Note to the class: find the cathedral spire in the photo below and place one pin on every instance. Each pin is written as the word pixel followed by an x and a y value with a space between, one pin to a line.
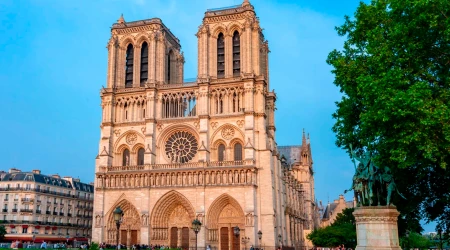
pixel 303 138
pixel 121 20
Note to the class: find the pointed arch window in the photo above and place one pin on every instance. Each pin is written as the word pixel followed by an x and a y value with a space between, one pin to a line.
pixel 129 67
pixel 126 157
pixel 238 152
pixel 144 63
pixel 140 159
pixel 169 66
pixel 220 56
pixel 236 54
pixel 221 152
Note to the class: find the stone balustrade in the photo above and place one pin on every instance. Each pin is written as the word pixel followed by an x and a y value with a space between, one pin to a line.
pixel 189 177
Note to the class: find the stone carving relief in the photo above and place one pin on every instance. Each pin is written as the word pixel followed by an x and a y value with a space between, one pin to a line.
pixel 117 132
pixel 98 220
pixel 228 132
pixel 131 138
pixel 143 129
pixel 159 126
pixel 214 125
pixel 144 220
pixel 240 123
pixel 249 218
pixel 197 125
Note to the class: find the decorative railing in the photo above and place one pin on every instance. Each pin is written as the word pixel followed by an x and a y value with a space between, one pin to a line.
pixel 178 166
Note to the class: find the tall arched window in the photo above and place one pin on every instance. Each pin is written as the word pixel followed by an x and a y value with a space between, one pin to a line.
pixel 238 152
pixel 129 67
pixel 144 63
pixel 126 157
pixel 220 56
pixel 169 66
pixel 140 159
pixel 221 152
pixel 236 54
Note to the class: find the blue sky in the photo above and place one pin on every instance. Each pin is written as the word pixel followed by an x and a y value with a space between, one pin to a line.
pixel 53 64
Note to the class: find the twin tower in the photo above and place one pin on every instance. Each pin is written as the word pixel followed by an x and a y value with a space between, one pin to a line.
pixel 172 151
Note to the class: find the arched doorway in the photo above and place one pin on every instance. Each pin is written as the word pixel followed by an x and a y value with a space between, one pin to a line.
pixel 171 221
pixel 224 214
pixel 129 231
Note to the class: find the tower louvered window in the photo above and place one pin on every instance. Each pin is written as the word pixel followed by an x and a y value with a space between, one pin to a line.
pixel 236 54
pixel 129 67
pixel 221 151
pixel 220 56
pixel 238 152
pixel 144 63
pixel 168 66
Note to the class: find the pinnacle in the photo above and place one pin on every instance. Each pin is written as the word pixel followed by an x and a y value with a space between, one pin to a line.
pixel 246 2
pixel 121 19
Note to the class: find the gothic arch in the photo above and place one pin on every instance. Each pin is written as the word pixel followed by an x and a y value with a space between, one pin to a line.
pixel 130 220
pixel 166 205
pixel 136 147
pixel 217 29
pixel 121 140
pixel 234 26
pixel 141 38
pixel 237 132
pixel 225 210
pixel 124 41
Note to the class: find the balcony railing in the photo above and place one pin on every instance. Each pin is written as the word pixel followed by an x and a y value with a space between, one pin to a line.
pixel 38 211
pixel 178 166
pixel 14 210
pixel 4 210
pixel 69 214
pixel 26 210
pixel 48 212
pixel 27 199
pixel 62 214
pixel 43 191
pixel 55 213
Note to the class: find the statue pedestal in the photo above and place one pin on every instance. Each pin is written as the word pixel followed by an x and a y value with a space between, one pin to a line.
pixel 376 228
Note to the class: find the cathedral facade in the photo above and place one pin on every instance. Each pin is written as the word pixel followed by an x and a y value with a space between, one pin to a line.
pixel 172 151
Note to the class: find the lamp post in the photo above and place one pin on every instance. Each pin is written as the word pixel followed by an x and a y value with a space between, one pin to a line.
pixel 196 226
pixel 118 214
pixel 279 239
pixel 245 240
pixel 259 237
pixel 236 232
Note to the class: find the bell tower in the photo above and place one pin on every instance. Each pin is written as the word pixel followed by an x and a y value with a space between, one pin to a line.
pixel 231 43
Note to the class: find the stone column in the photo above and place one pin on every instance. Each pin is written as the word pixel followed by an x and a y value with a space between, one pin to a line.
pixel 376 228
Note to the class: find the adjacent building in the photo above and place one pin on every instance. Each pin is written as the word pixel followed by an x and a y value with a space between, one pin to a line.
pixel 333 209
pixel 174 150
pixel 37 207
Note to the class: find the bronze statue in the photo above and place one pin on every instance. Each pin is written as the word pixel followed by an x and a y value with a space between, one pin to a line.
pixel 369 182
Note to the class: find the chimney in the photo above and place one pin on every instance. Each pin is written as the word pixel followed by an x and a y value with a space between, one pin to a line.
pixel 14 170
pixel 56 176
pixel 36 171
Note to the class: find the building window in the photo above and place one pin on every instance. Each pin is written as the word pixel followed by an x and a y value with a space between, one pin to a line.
pixel 126 157
pixel 24 230
pixel 220 56
pixel 140 159
pixel 168 67
pixel 236 54
pixel 238 152
pixel 6 197
pixel 221 152
pixel 129 67
pixel 144 63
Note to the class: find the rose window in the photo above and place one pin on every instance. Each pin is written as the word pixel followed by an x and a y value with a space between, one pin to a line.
pixel 181 147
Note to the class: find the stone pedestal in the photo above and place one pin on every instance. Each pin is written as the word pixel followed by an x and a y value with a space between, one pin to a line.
pixel 376 228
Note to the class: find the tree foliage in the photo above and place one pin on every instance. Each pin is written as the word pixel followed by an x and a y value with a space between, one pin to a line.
pixel 2 231
pixel 341 231
pixel 394 71
pixel 415 240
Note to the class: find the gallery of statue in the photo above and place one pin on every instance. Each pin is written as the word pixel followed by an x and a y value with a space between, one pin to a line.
pixel 173 150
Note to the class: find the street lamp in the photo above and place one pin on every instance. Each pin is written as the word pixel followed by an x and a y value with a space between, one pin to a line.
pixel 259 237
pixel 236 231
pixel 245 240
pixel 279 239
pixel 118 214
pixel 196 226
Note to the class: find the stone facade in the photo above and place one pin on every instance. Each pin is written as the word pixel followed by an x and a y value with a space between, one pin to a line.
pixel 46 207
pixel 173 150
pixel 333 209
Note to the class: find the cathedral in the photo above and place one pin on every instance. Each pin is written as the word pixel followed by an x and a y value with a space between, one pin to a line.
pixel 172 150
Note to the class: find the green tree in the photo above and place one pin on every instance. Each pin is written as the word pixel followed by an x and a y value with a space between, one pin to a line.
pixel 341 231
pixel 394 72
pixel 2 231
pixel 415 240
